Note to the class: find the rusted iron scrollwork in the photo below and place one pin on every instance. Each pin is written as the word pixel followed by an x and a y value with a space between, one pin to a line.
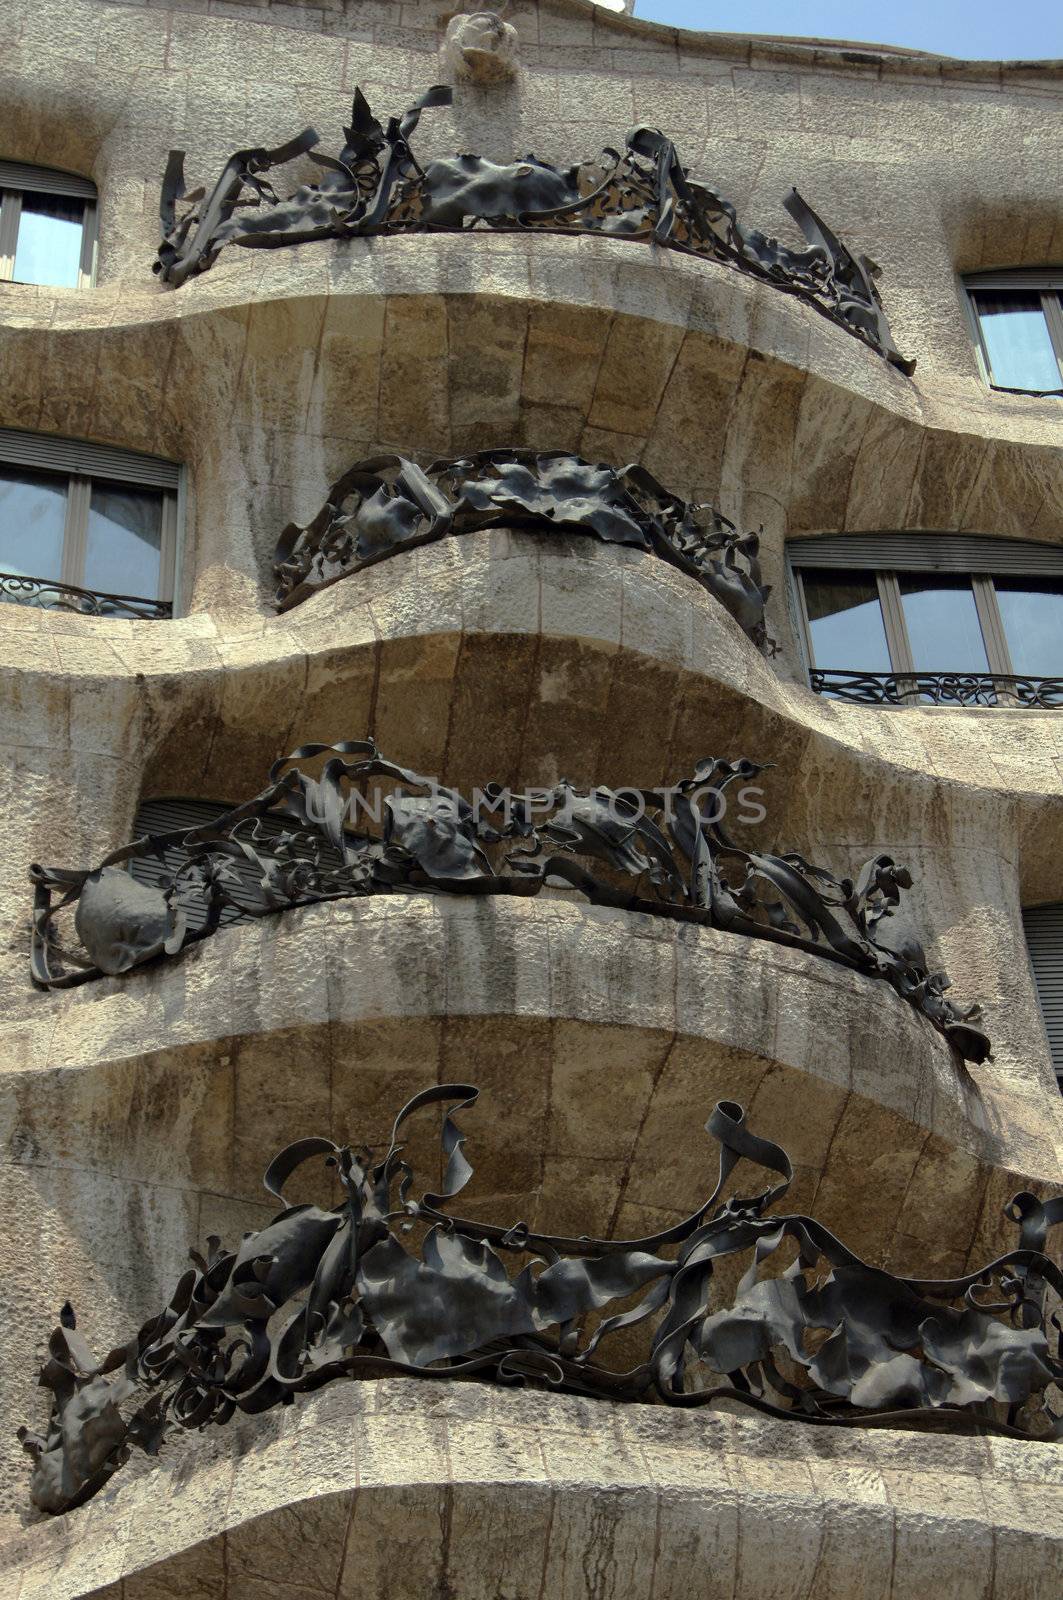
pixel 376 185
pixel 320 1294
pixel 342 833
pixel 388 504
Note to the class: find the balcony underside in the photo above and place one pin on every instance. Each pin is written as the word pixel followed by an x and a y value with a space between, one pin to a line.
pixel 516 656
pixel 268 383
pixel 401 1489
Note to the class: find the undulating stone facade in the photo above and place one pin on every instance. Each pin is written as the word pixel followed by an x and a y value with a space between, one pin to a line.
pixel 140 1108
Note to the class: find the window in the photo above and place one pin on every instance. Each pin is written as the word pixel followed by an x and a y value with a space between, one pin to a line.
pixel 1043 926
pixel 906 619
pixel 47 227
pixel 1018 317
pixel 86 528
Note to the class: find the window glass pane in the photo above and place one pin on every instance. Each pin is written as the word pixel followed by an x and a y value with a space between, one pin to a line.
pixel 48 248
pixel 32 517
pixel 1017 339
pixel 942 624
pixel 1032 609
pixel 123 541
pixel 845 620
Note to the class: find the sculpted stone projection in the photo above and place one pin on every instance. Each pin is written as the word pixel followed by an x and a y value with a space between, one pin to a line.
pixel 388 504
pixel 342 833
pixel 480 47
pixel 376 185
pixel 323 1294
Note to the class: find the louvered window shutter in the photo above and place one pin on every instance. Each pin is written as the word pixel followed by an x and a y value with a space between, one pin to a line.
pixel 167 816
pixel 936 552
pixel 51 453
pixel 171 815
pixel 1044 937
pixel 43 180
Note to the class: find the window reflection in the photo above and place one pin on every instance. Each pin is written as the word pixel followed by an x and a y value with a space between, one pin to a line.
pixel 845 620
pixel 123 540
pixel 1017 340
pixel 48 247
pixel 32 519
pixel 943 627
pixel 1032 613
pixel 936 623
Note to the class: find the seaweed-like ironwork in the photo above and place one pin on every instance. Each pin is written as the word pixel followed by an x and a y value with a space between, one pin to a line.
pixel 376 185
pixel 343 833
pixel 320 1294
pixel 388 504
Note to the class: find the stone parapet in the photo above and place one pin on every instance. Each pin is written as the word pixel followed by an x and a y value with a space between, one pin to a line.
pixel 402 1489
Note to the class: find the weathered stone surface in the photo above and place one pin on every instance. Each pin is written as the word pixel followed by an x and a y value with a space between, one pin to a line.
pixel 137 1117
pixel 389 1489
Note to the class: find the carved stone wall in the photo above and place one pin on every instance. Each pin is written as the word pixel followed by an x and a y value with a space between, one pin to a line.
pixel 714 1505
pixel 139 1108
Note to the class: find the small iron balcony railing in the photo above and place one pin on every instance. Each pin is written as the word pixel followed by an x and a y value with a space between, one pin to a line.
pixel 939 689
pixel 52 596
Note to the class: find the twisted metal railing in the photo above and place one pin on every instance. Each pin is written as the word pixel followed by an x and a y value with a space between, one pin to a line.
pixel 388 504
pixel 939 688
pixel 391 1281
pixel 50 595
pixel 376 185
pixel 343 833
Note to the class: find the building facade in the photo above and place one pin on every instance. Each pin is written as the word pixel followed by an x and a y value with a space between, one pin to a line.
pixel 557 473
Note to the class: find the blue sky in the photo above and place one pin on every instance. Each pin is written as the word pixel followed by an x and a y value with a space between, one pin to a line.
pixel 977 29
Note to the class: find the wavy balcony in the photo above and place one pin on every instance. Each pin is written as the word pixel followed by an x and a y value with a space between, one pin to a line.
pixel 717 1504
pixel 494 642
pixel 142 1124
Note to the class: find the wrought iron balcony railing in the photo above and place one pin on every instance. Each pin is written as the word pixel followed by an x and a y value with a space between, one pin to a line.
pixel 53 596
pixel 939 689
pixel 320 1296
pixel 377 187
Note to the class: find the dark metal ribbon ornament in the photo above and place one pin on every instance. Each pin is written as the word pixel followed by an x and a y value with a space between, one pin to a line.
pixel 388 504
pixel 306 839
pixel 318 1295
pixel 377 186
